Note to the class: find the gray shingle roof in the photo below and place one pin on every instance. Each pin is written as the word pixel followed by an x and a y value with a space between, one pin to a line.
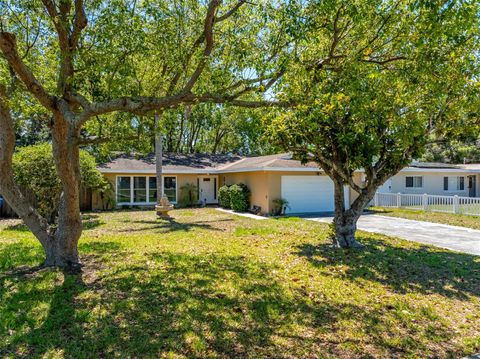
pixel 282 160
pixel 198 163
pixel 202 162
pixel 171 162
pixel 434 165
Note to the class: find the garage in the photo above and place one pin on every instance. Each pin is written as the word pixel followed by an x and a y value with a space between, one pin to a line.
pixel 307 194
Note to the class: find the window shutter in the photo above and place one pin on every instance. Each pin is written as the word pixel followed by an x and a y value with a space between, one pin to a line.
pixel 445 183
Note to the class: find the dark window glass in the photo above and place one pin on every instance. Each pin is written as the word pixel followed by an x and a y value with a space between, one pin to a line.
pixel 139 189
pixel 123 190
pixel 461 183
pixel 445 183
pixel 152 189
pixel 170 188
pixel 408 182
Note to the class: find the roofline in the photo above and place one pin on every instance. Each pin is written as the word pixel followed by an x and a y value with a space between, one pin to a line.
pixel 199 171
pixel 438 170
pixel 272 169
pixel 279 169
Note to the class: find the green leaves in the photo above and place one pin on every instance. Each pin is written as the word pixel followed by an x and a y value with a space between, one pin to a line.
pixel 375 79
pixel 34 169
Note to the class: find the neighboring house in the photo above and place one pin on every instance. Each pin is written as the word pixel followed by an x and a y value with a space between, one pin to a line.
pixel 305 187
pixel 436 179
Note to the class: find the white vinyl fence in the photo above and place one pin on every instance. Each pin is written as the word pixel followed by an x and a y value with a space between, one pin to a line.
pixel 426 202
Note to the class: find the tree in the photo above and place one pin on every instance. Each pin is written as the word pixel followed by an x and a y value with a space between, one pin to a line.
pixel 138 58
pixel 34 169
pixel 374 80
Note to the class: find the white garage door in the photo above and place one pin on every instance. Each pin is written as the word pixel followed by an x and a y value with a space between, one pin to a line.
pixel 308 193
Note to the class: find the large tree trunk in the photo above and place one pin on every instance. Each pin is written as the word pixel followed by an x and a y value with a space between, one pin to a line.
pixel 345 220
pixel 64 250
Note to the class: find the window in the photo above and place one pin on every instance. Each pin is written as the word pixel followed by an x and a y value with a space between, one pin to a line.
pixel 123 190
pixel 170 188
pixel 414 181
pixel 152 189
pixel 453 183
pixel 143 189
pixel 139 189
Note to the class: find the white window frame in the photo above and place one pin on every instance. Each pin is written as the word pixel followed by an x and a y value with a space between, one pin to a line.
pixel 413 182
pixel 176 187
pixel 116 190
pixel 147 178
pixel 456 185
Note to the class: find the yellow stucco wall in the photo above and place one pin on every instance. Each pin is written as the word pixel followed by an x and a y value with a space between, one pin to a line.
pixel 265 186
pixel 257 182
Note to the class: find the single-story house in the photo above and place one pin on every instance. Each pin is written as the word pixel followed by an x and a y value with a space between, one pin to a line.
pixel 436 179
pixel 306 187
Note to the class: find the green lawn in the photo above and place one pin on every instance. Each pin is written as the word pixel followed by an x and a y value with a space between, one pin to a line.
pixel 435 217
pixel 209 284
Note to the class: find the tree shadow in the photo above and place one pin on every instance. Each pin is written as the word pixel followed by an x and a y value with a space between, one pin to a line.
pixel 19 227
pixel 169 225
pixel 91 221
pixel 419 269
pixel 187 305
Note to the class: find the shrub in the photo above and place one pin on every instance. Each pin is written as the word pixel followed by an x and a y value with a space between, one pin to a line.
pixel 34 169
pixel 279 206
pixel 239 197
pixel 188 195
pixel 224 197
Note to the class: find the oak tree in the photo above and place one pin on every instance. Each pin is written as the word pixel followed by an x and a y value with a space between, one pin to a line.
pixel 77 61
pixel 374 80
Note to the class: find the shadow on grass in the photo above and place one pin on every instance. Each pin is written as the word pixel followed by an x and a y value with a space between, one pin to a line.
pixel 89 221
pixel 171 225
pixel 418 269
pixel 184 305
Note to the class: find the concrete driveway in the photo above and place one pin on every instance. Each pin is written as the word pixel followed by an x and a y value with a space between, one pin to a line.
pixel 459 239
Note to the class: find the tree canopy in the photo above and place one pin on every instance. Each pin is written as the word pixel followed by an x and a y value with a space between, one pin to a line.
pixel 34 170
pixel 374 80
pixel 71 62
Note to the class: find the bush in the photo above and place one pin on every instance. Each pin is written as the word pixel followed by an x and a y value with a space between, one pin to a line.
pixel 188 195
pixel 279 206
pixel 34 169
pixel 239 197
pixel 224 197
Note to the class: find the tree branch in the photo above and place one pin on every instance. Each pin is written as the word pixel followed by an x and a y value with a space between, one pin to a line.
pixel 231 11
pixel 208 32
pixel 79 24
pixel 385 61
pixel 8 46
pixel 14 196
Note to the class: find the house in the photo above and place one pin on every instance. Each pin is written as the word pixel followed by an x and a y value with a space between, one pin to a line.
pixel 305 186
pixel 436 179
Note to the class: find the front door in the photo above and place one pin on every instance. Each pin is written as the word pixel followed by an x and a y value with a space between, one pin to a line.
pixel 207 189
pixel 472 186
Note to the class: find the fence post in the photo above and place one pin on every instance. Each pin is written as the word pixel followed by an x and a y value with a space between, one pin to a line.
pixel 375 199
pixel 399 200
pixel 425 202
pixel 456 207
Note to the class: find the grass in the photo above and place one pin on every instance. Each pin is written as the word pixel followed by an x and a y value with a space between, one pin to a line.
pixel 211 284
pixel 435 217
